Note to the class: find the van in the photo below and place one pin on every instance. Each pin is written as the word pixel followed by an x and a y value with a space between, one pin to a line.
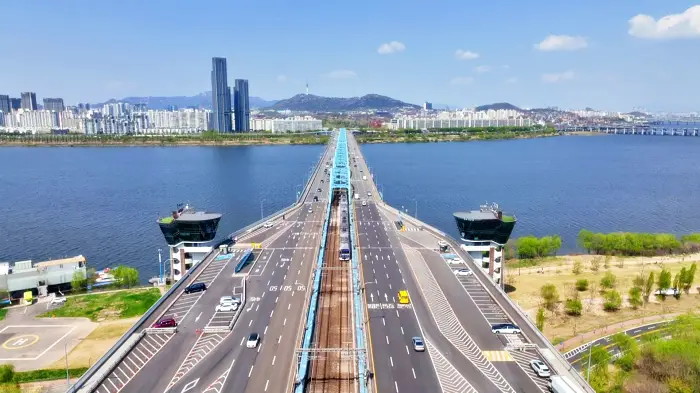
pixel 403 297
pixel 196 287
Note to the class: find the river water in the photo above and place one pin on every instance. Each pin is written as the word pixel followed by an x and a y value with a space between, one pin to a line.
pixel 104 202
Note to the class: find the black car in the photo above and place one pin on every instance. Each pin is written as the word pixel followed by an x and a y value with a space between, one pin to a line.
pixel 196 287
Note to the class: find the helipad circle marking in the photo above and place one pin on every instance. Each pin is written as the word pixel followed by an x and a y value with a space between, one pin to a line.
pixel 21 341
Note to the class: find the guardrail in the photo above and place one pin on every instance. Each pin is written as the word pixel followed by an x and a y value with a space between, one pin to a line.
pixel 92 371
pixel 171 330
pixel 97 377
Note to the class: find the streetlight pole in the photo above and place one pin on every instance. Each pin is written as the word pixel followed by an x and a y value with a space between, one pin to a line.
pixel 261 208
pixel 160 266
pixel 416 201
pixel 588 372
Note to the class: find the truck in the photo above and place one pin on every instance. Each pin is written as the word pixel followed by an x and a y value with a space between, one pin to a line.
pixel 364 177
pixel 562 384
pixel 357 196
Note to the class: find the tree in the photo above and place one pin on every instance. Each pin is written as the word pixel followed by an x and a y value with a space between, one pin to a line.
pixel 550 296
pixel 78 282
pixel 665 280
pixel 635 297
pixel 582 284
pixel 7 373
pixel 638 281
pixel 540 319
pixel 648 286
pixel 689 277
pixel 126 276
pixel 612 301
pixel 574 307
pixel 608 281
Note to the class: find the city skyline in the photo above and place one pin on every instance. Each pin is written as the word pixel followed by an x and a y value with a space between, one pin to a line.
pixel 600 54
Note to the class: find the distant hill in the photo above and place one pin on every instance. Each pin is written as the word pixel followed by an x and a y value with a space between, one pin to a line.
pixel 313 103
pixel 202 100
pixel 498 105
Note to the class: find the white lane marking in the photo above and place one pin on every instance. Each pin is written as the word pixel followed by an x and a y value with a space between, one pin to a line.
pixel 387 339
pixel 396 386
pixel 391 360
pixel 284 323
pixel 273 359
pixel 267 383
pixel 414 372
pixel 197 319
pixel 251 323
pixel 265 332
pixel 242 339
pixel 251 371
pixel 190 385
pixel 407 350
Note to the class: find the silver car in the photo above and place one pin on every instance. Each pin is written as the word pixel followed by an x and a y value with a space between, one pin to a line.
pixel 540 368
pixel 418 344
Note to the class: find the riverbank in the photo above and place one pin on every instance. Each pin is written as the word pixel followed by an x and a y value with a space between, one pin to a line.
pixel 450 136
pixel 565 273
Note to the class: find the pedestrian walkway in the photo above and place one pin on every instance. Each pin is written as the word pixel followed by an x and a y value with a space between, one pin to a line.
pixel 611 329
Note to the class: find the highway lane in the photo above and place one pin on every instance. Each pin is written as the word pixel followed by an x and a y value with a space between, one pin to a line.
pixel 578 357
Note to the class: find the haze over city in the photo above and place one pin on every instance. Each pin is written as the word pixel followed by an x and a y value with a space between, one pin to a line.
pixel 613 56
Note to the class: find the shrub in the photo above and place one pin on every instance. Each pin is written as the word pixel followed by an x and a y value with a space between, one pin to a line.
pixel 582 284
pixel 613 301
pixel 549 295
pixel 608 281
pixel 635 297
pixel 7 373
pixel 577 268
pixel 574 307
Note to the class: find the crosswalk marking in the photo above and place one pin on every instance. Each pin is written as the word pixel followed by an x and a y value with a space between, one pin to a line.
pixel 498 356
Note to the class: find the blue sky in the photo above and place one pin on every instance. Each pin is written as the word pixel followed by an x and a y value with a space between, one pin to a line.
pixel 599 56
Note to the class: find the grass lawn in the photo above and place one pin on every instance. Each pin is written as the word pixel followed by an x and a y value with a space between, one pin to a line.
pixel 107 306
pixel 3 313
pixel 560 326
pixel 95 344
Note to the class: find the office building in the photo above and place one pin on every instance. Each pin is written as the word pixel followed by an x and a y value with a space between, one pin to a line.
pixel 54 104
pixel 221 96
pixel 29 101
pixel 428 106
pixel 241 105
pixel 290 124
pixel 15 104
pixel 5 103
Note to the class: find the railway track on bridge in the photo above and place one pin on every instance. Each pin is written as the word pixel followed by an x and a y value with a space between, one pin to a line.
pixel 332 369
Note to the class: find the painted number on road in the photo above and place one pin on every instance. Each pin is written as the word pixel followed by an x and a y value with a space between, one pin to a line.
pixel 381 306
pixel 286 288
pixel 254 299
pixel 301 288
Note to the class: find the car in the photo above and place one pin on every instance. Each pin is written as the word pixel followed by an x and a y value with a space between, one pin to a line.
pixel 321 180
pixel 364 203
pixel 226 299
pixel 253 340
pixel 165 323
pixel 318 190
pixel 454 261
pixel 268 225
pixel 505 328
pixel 418 344
pixel 57 301
pixel 315 198
pixel 236 299
pixel 226 307
pixel 463 272
pixel 196 287
pixel 369 194
pixel 540 368
pixel 310 211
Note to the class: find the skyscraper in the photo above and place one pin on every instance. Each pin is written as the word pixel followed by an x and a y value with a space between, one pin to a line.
pixel 15 103
pixel 5 103
pixel 29 101
pixel 241 105
pixel 54 104
pixel 220 96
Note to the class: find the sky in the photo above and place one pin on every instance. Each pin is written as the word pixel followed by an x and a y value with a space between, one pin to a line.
pixel 609 55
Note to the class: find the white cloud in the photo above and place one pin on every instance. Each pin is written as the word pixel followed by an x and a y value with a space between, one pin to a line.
pixel 466 55
pixel 281 78
pixel 684 25
pixel 391 47
pixel 461 80
pixel 482 68
pixel 341 74
pixel 558 77
pixel 512 80
pixel 562 43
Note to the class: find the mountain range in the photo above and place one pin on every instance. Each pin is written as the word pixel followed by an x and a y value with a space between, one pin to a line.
pixel 313 103
pixel 202 100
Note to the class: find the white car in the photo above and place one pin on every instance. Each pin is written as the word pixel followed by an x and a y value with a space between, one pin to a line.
pixel 58 301
pixel 369 194
pixel 227 307
pixel 463 272
pixel 226 299
pixel 505 328
pixel 268 225
pixel 455 261
pixel 540 368
pixel 253 340
pixel 364 203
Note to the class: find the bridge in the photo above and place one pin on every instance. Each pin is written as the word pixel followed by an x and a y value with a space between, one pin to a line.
pixel 679 129
pixel 328 321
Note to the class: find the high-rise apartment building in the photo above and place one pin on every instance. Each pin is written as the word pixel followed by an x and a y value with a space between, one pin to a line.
pixel 221 96
pixel 15 103
pixel 29 101
pixel 241 105
pixel 5 104
pixel 54 104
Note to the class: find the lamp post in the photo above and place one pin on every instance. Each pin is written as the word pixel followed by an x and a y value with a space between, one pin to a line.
pixel 416 201
pixel 261 208
pixel 160 266
pixel 65 352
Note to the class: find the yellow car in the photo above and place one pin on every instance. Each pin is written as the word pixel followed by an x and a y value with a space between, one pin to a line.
pixel 403 297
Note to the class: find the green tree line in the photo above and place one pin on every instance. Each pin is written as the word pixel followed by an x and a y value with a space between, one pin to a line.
pixel 530 247
pixel 637 244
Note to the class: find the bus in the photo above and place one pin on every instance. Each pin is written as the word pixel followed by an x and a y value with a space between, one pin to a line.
pixel 403 297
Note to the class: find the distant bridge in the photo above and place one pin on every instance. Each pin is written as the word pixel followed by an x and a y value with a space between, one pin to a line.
pixel 680 129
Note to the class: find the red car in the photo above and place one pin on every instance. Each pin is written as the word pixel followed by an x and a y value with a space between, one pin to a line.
pixel 165 323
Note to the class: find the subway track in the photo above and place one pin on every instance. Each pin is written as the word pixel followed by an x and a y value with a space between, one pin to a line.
pixel 332 370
